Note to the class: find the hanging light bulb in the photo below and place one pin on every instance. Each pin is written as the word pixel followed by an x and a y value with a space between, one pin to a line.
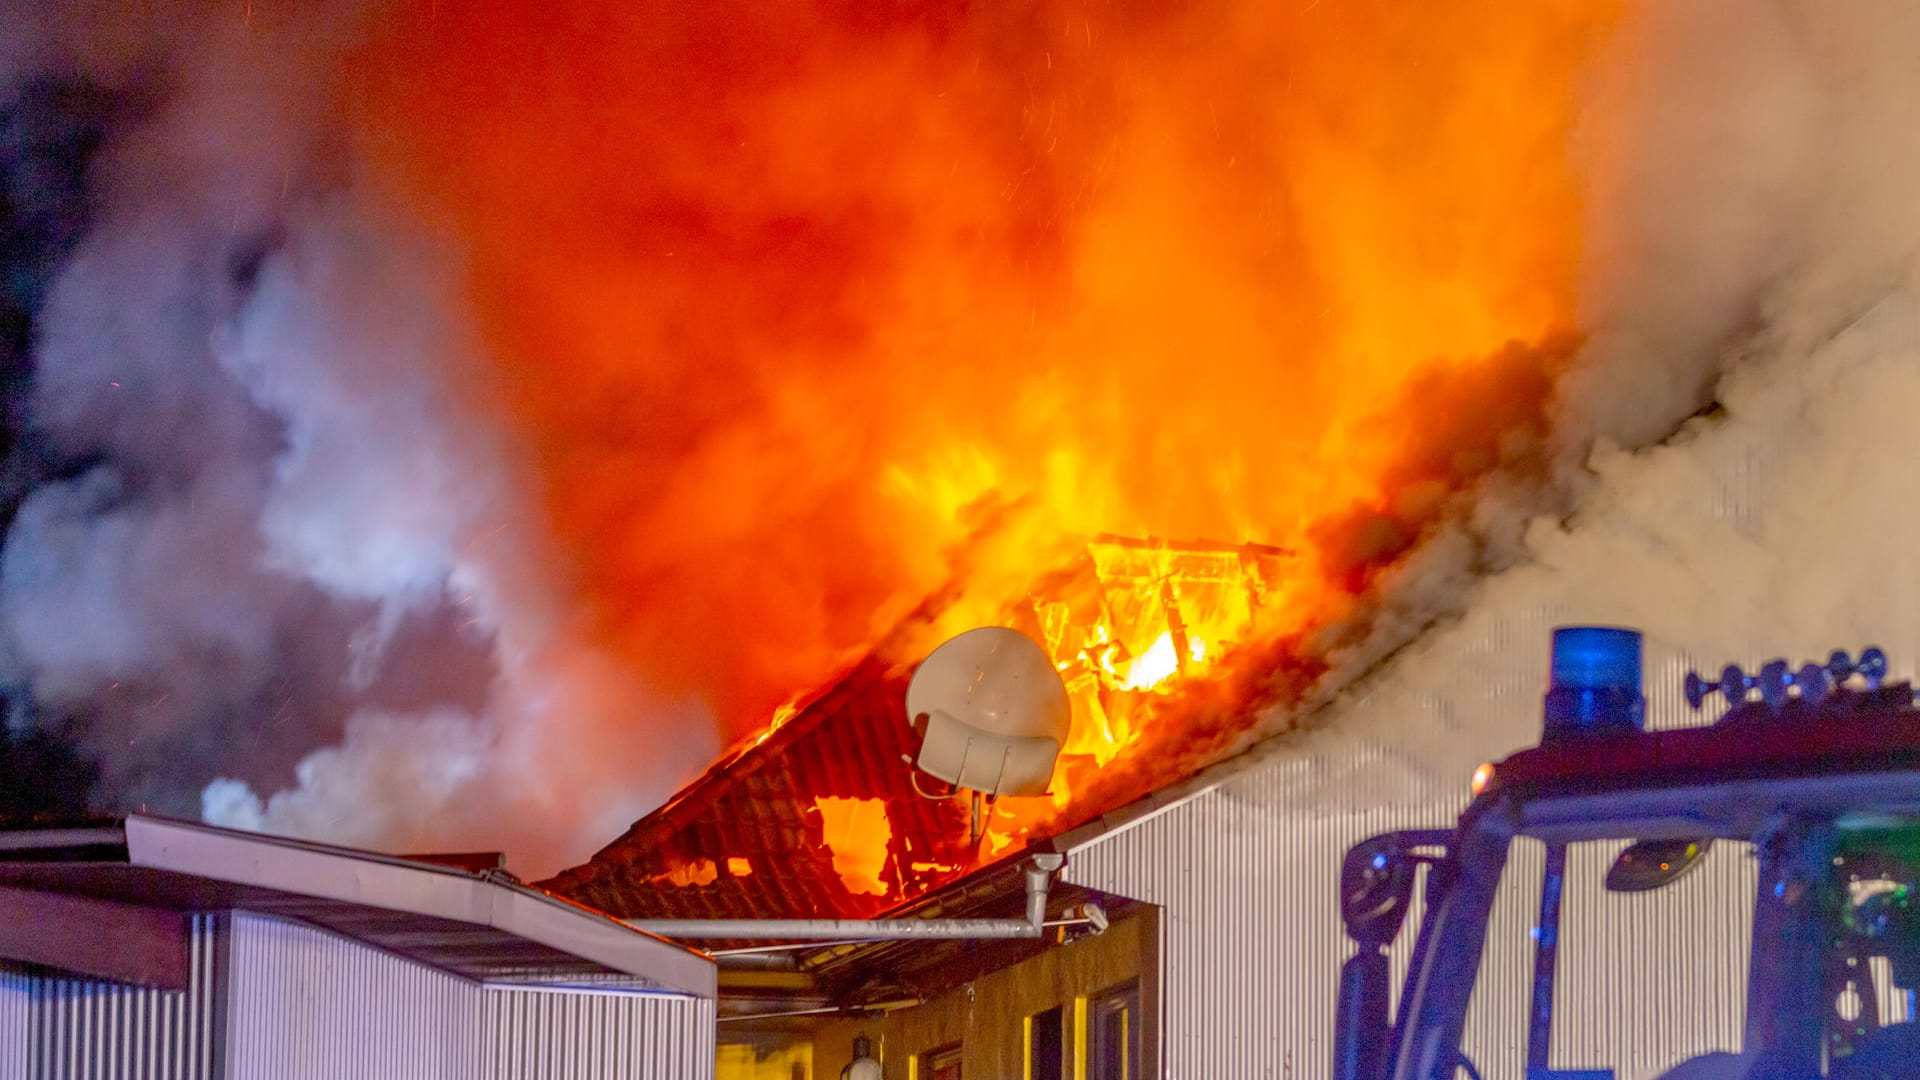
pixel 862 1067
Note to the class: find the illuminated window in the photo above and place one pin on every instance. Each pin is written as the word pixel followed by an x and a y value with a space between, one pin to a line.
pixel 1113 1034
pixel 1046 1045
pixel 941 1064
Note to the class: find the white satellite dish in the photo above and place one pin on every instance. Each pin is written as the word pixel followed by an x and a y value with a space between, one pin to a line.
pixel 995 713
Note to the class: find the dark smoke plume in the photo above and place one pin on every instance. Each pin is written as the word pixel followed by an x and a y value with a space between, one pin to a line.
pixel 260 540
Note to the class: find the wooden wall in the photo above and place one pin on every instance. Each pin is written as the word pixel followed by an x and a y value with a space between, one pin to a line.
pixel 987 1016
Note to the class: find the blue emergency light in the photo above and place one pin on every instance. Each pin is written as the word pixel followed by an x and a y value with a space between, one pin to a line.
pixel 1595 683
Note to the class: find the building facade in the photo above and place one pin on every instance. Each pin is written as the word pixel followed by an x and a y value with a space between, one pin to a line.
pixel 1085 1008
pixel 156 950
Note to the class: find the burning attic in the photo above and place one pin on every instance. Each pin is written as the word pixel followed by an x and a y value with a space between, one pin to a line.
pixel 822 813
pixel 823 820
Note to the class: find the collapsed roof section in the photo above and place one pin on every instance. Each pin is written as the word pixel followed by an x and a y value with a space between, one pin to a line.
pixel 822 815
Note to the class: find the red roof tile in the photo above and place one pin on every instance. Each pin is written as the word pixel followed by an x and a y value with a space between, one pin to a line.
pixel 758 802
pixel 759 805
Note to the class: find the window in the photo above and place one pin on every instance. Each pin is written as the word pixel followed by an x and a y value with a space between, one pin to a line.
pixel 1638 981
pixel 941 1064
pixel 1046 1045
pixel 1113 1034
pixel 1873 965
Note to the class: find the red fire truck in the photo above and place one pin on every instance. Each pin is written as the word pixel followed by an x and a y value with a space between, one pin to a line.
pixel 1817 768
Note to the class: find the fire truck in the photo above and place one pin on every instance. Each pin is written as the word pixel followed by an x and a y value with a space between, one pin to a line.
pixel 1812 773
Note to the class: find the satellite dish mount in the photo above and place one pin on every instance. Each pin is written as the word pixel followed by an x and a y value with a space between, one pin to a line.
pixel 992 714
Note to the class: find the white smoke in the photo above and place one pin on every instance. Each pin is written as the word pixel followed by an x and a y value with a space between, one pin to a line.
pixel 293 496
pixel 1755 246
pixel 1749 169
pixel 1779 527
pixel 395 486
pixel 289 455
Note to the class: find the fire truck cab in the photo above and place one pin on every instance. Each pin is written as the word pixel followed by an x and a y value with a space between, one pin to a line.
pixel 1813 775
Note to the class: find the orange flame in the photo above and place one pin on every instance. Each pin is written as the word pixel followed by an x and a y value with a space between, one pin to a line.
pixel 698 872
pixel 857 832
pixel 1140 623
pixel 794 299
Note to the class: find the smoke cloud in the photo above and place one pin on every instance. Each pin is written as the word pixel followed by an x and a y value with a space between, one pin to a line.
pixel 432 440
pixel 277 541
pixel 1709 468
pixel 1734 444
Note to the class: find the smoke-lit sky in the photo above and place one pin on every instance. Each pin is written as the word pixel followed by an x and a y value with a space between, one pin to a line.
pixel 428 429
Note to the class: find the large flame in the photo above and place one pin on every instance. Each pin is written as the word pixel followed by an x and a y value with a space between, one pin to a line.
pixel 857 833
pixel 802 304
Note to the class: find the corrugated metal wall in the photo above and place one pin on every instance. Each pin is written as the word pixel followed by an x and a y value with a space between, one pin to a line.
pixel 1647 979
pixel 79 1029
pixel 16 1021
pixel 1251 946
pixel 306 1003
pixel 538 1034
pixel 1250 935
pixel 1716 532
pixel 274 1000
pixel 309 1004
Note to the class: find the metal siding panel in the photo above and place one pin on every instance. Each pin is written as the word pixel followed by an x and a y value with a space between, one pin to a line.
pixel 1250 937
pixel 61 1028
pixel 1654 990
pixel 16 1024
pixel 530 1033
pixel 1252 944
pixel 307 1003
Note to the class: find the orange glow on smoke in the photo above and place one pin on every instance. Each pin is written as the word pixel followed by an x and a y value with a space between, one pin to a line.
pixel 857 832
pixel 808 310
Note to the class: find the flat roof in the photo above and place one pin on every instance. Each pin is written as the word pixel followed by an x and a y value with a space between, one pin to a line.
pixel 483 925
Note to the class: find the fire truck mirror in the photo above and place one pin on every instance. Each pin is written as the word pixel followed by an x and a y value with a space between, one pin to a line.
pixel 1376 888
pixel 1646 865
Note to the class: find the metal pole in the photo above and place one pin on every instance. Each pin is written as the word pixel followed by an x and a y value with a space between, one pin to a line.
pixel 839 929
pixel 1540 1028
pixel 791 946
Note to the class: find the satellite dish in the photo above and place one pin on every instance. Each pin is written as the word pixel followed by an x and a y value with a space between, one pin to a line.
pixel 992 712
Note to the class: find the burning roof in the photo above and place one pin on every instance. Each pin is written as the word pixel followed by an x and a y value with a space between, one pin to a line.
pixel 822 813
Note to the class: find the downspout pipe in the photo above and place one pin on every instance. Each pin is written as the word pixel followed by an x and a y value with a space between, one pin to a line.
pixel 1038 872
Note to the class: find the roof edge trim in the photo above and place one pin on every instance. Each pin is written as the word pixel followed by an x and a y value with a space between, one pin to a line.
pixel 382 881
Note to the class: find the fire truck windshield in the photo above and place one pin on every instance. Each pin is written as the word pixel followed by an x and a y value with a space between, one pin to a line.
pixel 1786 947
